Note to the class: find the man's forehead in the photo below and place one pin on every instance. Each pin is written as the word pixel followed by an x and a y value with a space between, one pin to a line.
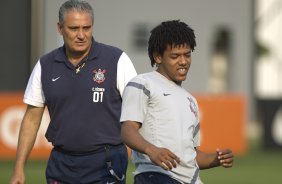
pixel 177 46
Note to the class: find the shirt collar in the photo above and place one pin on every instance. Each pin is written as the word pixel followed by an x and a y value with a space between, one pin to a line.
pixel 93 53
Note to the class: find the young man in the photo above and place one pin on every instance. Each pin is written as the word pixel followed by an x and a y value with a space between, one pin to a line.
pixel 160 119
pixel 81 84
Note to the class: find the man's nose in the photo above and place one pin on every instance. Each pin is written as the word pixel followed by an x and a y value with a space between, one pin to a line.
pixel 80 34
pixel 183 60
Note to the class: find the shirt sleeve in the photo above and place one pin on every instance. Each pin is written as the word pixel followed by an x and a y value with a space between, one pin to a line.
pixel 33 93
pixel 134 101
pixel 125 72
pixel 197 130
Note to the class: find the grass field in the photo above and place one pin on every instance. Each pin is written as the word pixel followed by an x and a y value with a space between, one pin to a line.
pixel 257 167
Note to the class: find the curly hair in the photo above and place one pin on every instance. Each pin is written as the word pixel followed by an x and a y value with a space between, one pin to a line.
pixel 169 33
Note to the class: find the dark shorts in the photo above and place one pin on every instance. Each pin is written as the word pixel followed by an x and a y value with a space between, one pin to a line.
pixel 96 168
pixel 154 178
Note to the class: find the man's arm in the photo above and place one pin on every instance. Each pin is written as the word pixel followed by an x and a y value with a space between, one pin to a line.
pixel 27 135
pixel 219 158
pixel 160 156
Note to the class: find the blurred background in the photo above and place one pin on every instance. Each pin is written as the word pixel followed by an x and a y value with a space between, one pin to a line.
pixel 235 75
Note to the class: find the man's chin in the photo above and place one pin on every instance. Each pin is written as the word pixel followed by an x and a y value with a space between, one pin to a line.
pixel 79 51
pixel 181 78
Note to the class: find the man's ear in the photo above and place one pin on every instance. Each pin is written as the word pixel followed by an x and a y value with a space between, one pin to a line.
pixel 157 58
pixel 59 28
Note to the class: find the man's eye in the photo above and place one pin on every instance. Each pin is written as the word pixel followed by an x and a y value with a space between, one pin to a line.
pixel 73 28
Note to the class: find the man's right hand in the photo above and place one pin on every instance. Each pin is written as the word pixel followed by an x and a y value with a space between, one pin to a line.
pixel 162 157
pixel 17 178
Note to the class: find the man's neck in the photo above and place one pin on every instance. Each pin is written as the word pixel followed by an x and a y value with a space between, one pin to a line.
pixel 76 58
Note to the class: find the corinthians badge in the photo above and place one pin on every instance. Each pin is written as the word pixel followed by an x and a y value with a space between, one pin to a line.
pixel 193 106
pixel 99 76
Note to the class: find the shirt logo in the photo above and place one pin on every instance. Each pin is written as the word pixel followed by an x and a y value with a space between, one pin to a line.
pixel 54 79
pixel 193 107
pixel 166 94
pixel 99 76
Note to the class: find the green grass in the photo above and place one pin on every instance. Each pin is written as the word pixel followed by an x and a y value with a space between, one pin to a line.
pixel 258 166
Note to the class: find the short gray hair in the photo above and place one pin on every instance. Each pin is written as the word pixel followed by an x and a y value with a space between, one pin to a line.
pixel 78 5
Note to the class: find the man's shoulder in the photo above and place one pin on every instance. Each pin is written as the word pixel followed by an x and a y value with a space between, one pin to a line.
pixel 143 78
pixel 58 52
pixel 107 47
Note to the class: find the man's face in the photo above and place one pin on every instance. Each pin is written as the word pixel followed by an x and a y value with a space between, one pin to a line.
pixel 77 31
pixel 174 63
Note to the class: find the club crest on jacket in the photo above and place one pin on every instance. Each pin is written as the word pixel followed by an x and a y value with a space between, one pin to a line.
pixel 99 76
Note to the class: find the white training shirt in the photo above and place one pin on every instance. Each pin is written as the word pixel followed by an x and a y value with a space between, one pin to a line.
pixel 170 118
